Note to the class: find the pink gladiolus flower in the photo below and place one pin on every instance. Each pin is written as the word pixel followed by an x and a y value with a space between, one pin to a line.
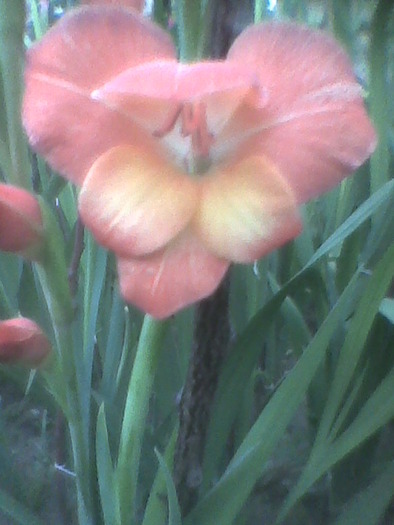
pixel 185 168
pixel 21 228
pixel 22 340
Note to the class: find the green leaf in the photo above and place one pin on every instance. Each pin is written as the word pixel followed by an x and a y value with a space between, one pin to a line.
pixel 156 508
pixel 95 266
pixel 18 512
pixel 113 350
pixel 356 336
pixel 136 413
pixel 236 373
pixel 377 410
pixel 222 504
pixel 379 92
pixel 10 276
pixel 296 326
pixel 387 309
pixel 174 511
pixel 241 362
pixel 363 212
pixel 39 21
pixel 105 473
pixel 12 25
pixel 368 506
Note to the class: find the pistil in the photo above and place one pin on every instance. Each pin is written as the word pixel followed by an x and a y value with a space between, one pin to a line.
pixel 194 124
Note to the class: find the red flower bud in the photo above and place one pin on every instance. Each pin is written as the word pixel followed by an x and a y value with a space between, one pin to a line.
pixel 21 339
pixel 21 229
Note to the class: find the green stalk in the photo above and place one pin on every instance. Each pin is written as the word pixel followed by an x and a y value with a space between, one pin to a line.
pixel 135 414
pixel 63 378
pixel 5 305
pixel 259 6
pixel 5 161
pixel 73 412
pixel 63 383
pixel 188 13
pixel 12 25
pixel 206 29
pixel 52 270
pixel 379 95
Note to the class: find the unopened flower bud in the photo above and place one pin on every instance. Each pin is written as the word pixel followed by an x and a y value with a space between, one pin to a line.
pixel 22 340
pixel 21 228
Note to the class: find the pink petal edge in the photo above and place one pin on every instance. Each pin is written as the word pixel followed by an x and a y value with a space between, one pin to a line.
pixel 314 127
pixel 85 49
pixel 174 278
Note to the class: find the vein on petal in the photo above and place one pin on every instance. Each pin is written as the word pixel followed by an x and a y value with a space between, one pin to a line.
pixel 340 92
pixel 59 82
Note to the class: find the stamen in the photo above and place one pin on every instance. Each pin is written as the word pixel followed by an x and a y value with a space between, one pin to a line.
pixel 193 124
pixel 169 124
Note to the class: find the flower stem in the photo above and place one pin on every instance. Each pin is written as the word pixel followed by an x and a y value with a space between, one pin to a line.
pixel 211 338
pixel 188 18
pixel 135 413
pixel 63 377
pixel 258 10
pixel 12 25
pixel 5 306
pixel 78 436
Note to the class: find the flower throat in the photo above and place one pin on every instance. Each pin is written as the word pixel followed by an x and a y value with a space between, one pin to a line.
pixel 193 124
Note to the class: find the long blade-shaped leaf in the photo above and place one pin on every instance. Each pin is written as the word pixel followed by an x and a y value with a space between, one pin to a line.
pixel 368 507
pixel 105 473
pixel 222 504
pixel 376 412
pixel 174 511
pixel 12 508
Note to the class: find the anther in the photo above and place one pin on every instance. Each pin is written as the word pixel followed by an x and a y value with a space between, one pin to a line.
pixel 193 124
pixel 169 123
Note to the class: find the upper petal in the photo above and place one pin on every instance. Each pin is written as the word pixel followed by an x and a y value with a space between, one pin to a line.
pixel 171 279
pixel 134 202
pixel 152 93
pixel 246 211
pixel 85 49
pixel 314 125
pixel 173 81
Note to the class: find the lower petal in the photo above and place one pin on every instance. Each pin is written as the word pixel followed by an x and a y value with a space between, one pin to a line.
pixel 134 202
pixel 246 211
pixel 169 280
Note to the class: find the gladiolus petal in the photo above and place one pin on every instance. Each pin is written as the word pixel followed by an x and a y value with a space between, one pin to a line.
pixel 150 93
pixel 85 49
pixel 135 202
pixel 172 81
pixel 20 222
pixel 22 340
pixel 246 211
pixel 314 126
pixel 171 279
